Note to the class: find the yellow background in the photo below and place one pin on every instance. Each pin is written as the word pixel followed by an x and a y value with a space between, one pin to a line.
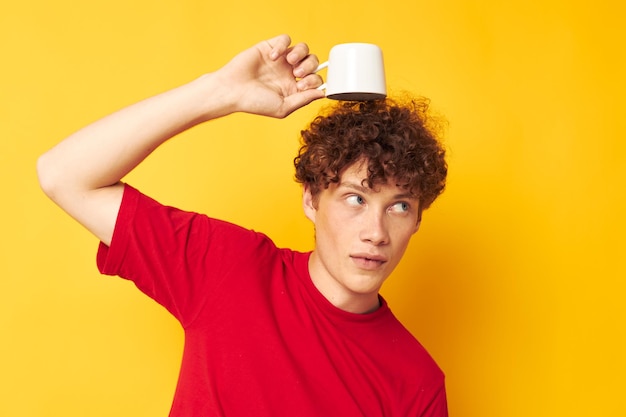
pixel 515 282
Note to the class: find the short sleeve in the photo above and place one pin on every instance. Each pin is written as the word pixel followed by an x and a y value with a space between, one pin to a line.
pixel 176 257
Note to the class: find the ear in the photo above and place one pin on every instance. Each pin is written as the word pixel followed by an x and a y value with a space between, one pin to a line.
pixel 308 204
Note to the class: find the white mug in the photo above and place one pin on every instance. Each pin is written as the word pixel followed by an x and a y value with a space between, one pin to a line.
pixel 355 72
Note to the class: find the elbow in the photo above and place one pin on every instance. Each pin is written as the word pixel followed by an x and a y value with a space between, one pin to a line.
pixel 46 176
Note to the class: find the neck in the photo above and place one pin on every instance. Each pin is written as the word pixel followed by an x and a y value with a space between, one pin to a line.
pixel 338 294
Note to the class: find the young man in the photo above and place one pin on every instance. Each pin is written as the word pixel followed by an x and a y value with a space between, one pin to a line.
pixel 270 331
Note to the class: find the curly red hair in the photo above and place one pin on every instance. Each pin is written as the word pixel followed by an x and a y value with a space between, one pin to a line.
pixel 398 141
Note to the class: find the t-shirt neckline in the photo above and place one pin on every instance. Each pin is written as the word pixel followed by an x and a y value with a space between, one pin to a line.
pixel 302 266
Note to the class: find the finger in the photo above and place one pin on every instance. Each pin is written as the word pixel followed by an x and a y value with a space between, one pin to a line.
pixel 279 45
pixel 300 99
pixel 306 66
pixel 297 53
pixel 309 82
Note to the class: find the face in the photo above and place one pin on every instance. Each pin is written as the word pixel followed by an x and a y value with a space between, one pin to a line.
pixel 360 236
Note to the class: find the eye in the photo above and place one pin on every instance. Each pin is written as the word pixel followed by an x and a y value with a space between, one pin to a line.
pixel 401 207
pixel 355 200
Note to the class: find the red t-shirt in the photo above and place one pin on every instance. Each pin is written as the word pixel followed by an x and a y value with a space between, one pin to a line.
pixel 260 339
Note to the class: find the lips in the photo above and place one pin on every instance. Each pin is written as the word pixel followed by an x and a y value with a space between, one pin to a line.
pixel 368 261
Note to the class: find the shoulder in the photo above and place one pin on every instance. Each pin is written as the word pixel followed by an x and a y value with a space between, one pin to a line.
pixel 408 353
pixel 147 218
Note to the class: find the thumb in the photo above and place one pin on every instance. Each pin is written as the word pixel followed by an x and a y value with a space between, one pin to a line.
pixel 300 99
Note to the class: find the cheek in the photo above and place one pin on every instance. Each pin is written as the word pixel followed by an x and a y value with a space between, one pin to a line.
pixel 331 229
pixel 336 215
pixel 325 226
pixel 334 231
pixel 402 236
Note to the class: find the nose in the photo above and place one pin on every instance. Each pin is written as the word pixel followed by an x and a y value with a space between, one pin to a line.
pixel 374 228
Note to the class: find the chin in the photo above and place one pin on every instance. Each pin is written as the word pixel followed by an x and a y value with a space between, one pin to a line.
pixel 365 288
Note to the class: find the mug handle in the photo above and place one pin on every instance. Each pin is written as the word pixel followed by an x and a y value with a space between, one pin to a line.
pixel 319 68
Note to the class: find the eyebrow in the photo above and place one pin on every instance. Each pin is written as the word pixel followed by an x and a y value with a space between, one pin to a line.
pixel 367 190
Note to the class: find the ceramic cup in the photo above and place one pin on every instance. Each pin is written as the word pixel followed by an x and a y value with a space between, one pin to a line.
pixel 355 72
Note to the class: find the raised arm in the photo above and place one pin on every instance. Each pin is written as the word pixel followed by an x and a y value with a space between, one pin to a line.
pixel 82 174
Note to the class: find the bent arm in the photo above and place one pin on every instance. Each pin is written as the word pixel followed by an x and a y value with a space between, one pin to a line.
pixel 82 174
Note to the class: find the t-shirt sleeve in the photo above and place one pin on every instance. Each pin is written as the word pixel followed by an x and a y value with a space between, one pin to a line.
pixel 176 257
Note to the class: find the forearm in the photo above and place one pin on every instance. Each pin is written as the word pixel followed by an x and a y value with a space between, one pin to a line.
pixel 102 153
pixel 82 173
